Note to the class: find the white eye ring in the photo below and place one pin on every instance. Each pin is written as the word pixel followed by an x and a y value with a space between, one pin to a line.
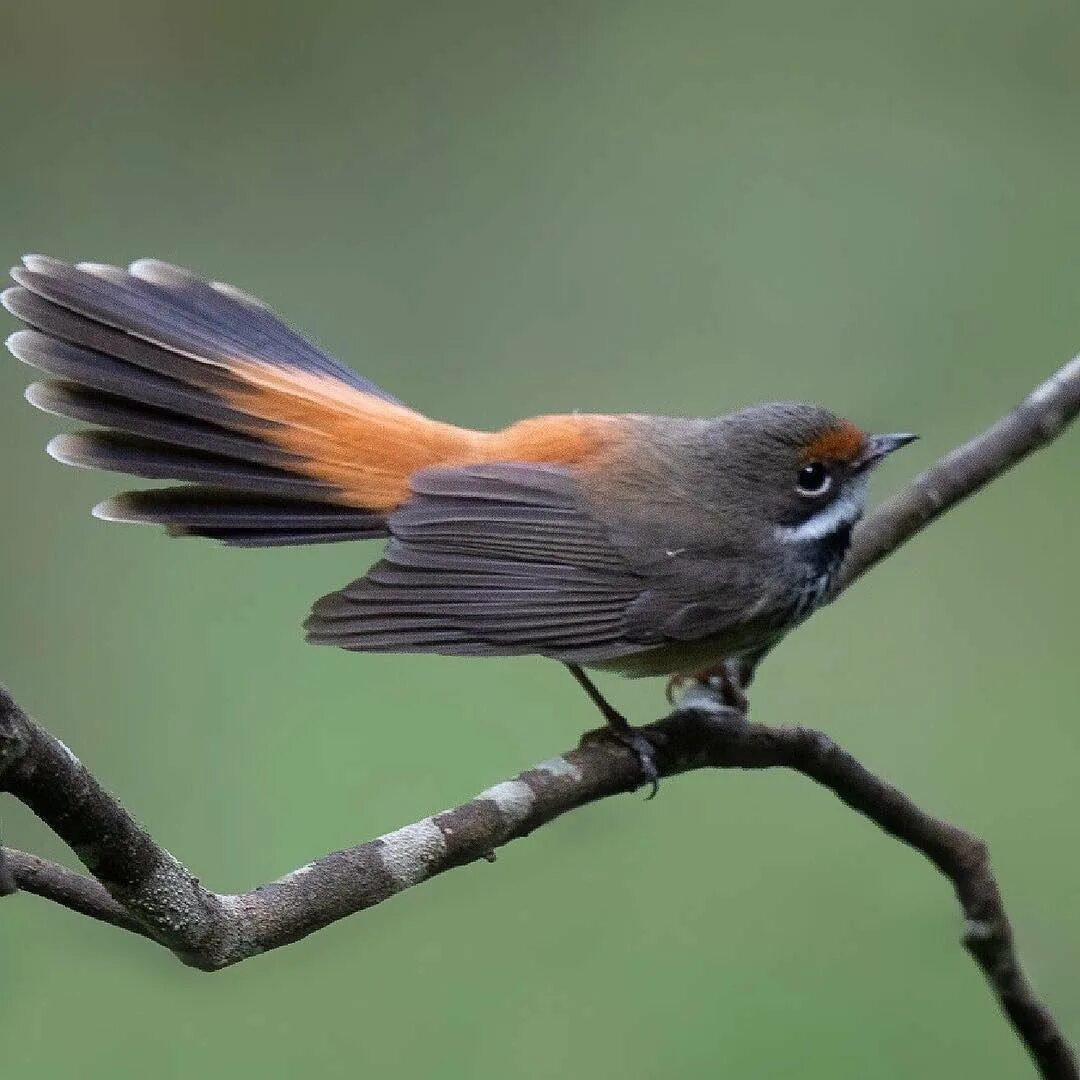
pixel 813 480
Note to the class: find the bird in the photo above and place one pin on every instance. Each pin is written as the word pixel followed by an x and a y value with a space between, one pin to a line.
pixel 632 543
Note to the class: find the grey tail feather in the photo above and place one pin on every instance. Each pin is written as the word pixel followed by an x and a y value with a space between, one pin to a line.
pixel 143 356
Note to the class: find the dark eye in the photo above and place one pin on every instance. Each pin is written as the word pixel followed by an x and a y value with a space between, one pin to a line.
pixel 814 479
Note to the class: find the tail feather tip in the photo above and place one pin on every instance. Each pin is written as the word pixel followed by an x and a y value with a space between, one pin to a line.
pixel 7 298
pixel 16 342
pixel 116 509
pixel 42 264
pixel 37 394
pixel 68 449
pixel 157 272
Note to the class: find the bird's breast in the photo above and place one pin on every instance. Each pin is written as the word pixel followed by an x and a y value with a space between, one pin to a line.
pixel 821 561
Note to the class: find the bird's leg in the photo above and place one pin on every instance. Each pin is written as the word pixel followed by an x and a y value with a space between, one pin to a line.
pixel 614 718
pixel 619 729
pixel 726 678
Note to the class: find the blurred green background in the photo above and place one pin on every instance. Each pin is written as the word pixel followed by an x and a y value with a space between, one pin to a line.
pixel 502 209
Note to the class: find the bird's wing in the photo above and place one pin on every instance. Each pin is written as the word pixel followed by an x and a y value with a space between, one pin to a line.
pixel 489 560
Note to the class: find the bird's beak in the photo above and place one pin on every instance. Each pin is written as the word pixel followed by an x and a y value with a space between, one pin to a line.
pixel 878 446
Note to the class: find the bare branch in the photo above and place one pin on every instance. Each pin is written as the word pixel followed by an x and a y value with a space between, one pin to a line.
pixel 139 886
pixel 8 885
pixel 77 892
pixel 164 902
pixel 1039 419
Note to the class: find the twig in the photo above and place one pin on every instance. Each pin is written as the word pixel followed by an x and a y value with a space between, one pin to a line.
pixel 139 886
pixel 8 884
pixel 1036 422
pixel 76 892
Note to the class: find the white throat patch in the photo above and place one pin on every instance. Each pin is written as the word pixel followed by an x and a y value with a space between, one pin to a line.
pixel 844 511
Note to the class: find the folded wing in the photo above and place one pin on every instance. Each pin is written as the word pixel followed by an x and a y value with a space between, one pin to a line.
pixel 488 560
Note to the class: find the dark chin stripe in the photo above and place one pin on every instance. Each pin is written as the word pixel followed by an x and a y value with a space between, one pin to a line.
pixel 829 551
pixel 825 556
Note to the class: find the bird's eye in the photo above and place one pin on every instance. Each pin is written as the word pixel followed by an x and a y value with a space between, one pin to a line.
pixel 813 479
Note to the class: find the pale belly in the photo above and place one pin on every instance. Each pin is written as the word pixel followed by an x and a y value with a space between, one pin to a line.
pixel 682 658
pixel 706 653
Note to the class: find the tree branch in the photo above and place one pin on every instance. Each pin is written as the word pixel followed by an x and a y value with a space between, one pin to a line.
pixel 76 892
pixel 1039 419
pixel 140 887
pixel 8 885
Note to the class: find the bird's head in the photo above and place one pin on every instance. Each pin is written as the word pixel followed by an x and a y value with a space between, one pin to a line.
pixel 802 469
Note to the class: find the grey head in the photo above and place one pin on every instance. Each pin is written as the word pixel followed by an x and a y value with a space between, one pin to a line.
pixel 782 475
pixel 797 471
pixel 736 525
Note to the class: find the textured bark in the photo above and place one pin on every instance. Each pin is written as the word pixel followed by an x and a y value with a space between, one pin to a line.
pixel 138 886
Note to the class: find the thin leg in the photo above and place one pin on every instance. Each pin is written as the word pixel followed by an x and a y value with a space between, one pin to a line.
pixel 614 718
pixel 619 728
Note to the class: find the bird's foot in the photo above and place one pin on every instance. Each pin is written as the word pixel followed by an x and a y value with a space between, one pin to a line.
pixel 723 683
pixel 618 729
pixel 625 734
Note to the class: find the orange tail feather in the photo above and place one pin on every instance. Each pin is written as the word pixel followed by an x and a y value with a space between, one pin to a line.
pixel 368 448
pixel 275 441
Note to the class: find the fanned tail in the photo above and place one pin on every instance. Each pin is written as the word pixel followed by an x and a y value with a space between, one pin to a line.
pixel 274 441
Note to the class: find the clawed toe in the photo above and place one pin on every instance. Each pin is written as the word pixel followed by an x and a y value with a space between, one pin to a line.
pixel 633 739
pixel 674 687
pixel 722 682
pixel 646 755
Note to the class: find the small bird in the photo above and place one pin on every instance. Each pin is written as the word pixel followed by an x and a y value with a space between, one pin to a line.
pixel 644 545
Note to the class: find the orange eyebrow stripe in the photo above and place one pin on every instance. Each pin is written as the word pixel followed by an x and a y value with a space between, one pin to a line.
pixel 845 442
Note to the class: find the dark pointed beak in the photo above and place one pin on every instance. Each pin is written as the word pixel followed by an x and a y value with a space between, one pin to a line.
pixel 878 446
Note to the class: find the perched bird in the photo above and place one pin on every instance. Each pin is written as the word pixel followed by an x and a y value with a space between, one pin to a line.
pixel 641 544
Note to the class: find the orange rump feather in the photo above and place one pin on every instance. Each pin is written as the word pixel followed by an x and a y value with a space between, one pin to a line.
pixel 368 448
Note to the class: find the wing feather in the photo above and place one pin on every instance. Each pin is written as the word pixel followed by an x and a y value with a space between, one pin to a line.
pixel 488 560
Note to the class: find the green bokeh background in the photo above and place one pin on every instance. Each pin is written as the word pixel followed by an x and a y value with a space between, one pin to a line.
pixel 501 209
